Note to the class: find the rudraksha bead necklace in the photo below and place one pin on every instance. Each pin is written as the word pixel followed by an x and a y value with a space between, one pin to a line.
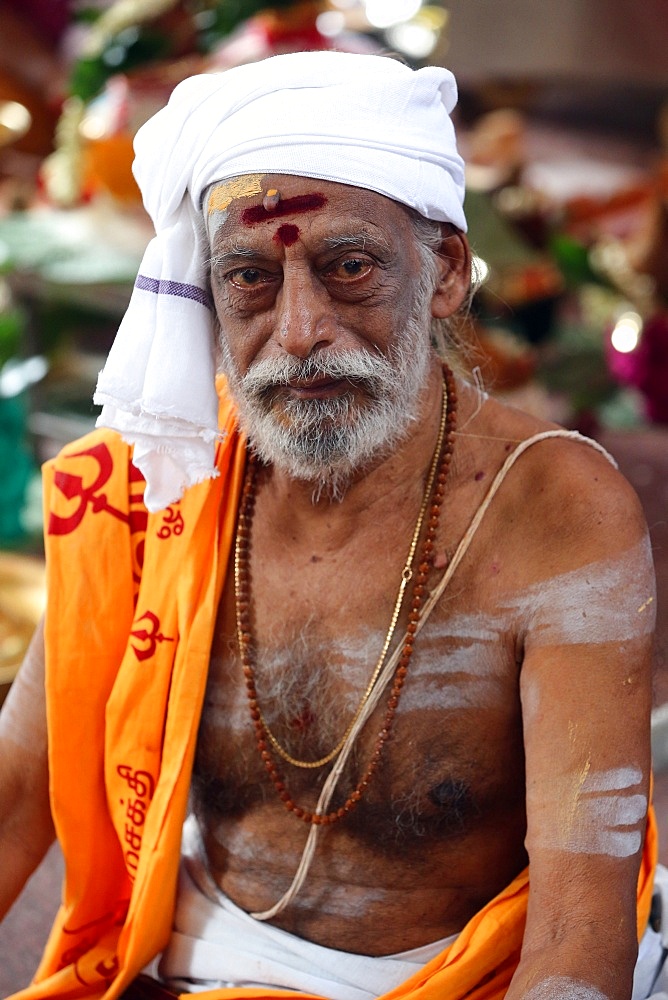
pixel 265 739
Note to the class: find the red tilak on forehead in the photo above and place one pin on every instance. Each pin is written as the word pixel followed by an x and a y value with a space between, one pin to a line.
pixel 287 234
pixel 286 206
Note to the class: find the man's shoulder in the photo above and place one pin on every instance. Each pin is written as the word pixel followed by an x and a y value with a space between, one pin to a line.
pixel 563 490
pixel 546 454
pixel 576 488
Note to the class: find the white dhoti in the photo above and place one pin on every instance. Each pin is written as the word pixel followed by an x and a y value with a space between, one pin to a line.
pixel 216 944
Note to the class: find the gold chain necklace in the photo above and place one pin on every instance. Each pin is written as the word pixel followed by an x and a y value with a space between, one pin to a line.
pixel 440 461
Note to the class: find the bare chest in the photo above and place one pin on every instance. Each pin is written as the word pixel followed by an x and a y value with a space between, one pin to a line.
pixel 438 763
pixel 315 667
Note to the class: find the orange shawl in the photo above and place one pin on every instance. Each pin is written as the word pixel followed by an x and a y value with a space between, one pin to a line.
pixel 131 611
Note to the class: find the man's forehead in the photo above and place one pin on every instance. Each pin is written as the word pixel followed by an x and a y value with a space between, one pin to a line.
pixel 243 203
pixel 221 194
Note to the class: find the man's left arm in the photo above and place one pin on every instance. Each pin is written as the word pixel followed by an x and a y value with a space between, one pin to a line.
pixel 586 701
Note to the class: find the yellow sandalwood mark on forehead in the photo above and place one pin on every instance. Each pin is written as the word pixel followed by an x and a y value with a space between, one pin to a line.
pixel 222 195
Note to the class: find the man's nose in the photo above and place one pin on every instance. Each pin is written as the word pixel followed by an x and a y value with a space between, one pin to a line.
pixel 304 321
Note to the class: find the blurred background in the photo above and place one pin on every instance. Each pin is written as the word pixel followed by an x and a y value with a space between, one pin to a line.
pixel 563 120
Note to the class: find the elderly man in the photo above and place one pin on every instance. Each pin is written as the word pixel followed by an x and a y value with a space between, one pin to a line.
pixel 348 687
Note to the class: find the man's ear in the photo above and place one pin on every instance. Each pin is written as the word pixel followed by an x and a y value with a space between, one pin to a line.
pixel 455 273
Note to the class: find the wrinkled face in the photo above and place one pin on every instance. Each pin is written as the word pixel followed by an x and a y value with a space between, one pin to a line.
pixel 324 312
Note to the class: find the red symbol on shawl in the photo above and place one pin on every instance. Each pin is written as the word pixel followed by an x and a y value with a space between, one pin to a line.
pixel 92 932
pixel 141 782
pixel 172 523
pixel 152 636
pixel 134 474
pixel 72 487
pixel 138 523
pixel 72 955
pixel 138 513
pixel 107 970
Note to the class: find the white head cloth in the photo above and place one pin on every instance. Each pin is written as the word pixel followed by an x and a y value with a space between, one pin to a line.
pixel 363 120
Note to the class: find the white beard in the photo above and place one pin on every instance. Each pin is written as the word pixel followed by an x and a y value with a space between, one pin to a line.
pixel 328 441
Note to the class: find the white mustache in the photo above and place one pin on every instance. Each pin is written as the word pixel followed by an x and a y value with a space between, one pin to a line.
pixel 352 366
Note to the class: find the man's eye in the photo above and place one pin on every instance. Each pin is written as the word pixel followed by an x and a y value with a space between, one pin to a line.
pixel 351 267
pixel 246 277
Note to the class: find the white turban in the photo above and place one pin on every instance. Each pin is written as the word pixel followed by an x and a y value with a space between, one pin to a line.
pixel 362 120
